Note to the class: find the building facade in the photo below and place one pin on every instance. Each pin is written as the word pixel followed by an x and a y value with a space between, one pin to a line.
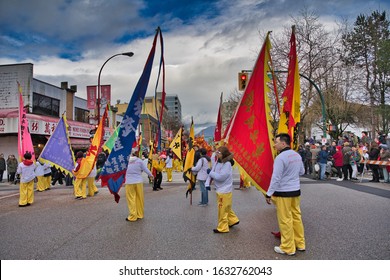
pixel 45 105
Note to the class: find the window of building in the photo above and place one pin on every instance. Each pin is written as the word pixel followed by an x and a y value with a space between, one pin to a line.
pixel 45 105
pixel 81 115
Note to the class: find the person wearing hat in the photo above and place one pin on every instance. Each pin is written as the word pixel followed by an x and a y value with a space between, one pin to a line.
pixel 135 187
pixel 158 164
pixel 285 192
pixel 222 174
pixel 385 156
pixel 80 184
pixel 26 169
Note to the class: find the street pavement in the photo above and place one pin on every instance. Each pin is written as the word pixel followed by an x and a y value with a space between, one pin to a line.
pixel 343 221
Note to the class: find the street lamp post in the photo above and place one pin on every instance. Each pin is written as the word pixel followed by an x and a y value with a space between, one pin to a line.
pixel 129 54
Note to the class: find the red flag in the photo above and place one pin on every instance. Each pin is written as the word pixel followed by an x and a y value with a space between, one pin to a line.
pixel 250 133
pixel 291 114
pixel 24 138
pixel 91 97
pixel 218 127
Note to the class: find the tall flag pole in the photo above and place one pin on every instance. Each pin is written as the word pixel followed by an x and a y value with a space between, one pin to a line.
pixel 160 115
pixel 189 163
pixel 250 132
pixel 291 113
pixel 24 137
pixel 176 144
pixel 114 169
pixel 58 151
pixel 88 162
pixel 218 126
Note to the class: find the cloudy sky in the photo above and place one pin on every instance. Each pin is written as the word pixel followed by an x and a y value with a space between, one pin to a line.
pixel 206 42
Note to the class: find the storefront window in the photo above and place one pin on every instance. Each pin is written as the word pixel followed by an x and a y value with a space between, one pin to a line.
pixel 44 105
pixel 81 115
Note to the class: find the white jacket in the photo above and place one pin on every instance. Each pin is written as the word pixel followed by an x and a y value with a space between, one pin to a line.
pixel 27 172
pixel 134 171
pixel 201 168
pixel 222 174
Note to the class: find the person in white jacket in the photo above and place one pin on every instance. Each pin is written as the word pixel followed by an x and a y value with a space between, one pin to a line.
pixel 200 168
pixel 26 169
pixel 222 173
pixel 285 191
pixel 39 172
pixel 135 187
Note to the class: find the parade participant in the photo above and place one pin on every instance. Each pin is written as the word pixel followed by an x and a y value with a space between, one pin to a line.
pixel 222 174
pixel 27 175
pixel 135 187
pixel 92 189
pixel 80 185
pixel 285 192
pixel 169 166
pixel 39 172
pixel 201 169
pixel 47 176
pixel 158 165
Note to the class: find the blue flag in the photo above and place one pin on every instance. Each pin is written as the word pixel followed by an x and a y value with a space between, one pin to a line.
pixel 57 150
pixel 114 169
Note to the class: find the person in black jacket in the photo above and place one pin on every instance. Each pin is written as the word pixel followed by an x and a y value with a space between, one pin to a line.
pixel 373 155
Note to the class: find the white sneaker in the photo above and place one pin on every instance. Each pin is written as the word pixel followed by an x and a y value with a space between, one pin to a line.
pixel 339 179
pixel 279 251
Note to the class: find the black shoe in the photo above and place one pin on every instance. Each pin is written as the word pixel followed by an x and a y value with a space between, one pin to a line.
pixel 23 205
pixel 155 190
pixel 78 197
pixel 234 224
pixel 217 231
pixel 160 188
pixel 28 204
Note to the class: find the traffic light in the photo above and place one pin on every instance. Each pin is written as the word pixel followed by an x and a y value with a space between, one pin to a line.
pixel 242 80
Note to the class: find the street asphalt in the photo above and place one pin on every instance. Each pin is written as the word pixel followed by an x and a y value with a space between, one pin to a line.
pixel 343 221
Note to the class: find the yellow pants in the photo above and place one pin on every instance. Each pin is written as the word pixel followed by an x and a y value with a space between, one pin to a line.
pixel 26 193
pixel 91 186
pixel 135 201
pixel 290 223
pixel 226 215
pixel 80 187
pixel 47 182
pixel 169 174
pixel 41 183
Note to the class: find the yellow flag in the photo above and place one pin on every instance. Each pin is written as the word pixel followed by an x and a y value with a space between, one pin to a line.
pixel 189 161
pixel 176 144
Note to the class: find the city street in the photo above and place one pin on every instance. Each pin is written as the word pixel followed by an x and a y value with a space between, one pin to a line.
pixel 343 221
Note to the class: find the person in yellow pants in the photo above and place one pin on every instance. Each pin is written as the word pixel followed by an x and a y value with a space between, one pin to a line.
pixel 39 172
pixel 222 174
pixel 169 166
pixel 92 189
pixel 285 191
pixel 80 184
pixel 47 176
pixel 27 175
pixel 135 187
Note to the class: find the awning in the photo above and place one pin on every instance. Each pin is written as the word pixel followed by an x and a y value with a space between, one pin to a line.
pixel 79 143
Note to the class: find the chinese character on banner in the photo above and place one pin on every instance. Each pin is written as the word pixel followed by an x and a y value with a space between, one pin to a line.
pixel 105 95
pixel 91 97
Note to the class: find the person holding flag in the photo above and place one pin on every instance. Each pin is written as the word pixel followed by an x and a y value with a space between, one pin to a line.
pixel 285 192
pixel 222 173
pixel 80 184
pixel 27 175
pixel 135 187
